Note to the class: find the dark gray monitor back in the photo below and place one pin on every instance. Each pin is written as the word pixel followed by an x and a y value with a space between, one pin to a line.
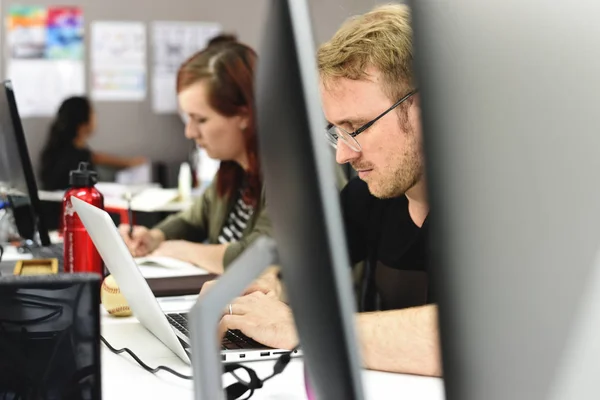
pixel 16 172
pixel 50 337
pixel 510 96
pixel 303 202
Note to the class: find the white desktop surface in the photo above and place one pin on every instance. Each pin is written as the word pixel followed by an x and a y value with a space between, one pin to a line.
pixel 118 203
pixel 123 378
pixel 11 253
pixel 113 197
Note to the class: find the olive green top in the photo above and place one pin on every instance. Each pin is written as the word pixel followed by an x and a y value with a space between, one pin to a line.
pixel 205 218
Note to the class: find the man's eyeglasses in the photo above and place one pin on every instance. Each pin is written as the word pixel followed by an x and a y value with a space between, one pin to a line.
pixel 334 133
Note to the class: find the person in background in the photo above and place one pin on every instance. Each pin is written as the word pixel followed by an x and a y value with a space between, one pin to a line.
pixel 216 92
pixel 67 145
pixel 204 168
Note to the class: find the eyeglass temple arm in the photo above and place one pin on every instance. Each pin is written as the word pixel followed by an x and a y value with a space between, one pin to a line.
pixel 370 123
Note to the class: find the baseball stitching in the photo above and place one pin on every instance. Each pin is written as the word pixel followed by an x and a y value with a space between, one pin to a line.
pixel 118 309
pixel 109 289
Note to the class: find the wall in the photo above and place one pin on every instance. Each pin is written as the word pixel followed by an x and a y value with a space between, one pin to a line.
pixel 131 128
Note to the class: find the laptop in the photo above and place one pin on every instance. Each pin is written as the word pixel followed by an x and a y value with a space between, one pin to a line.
pixel 172 328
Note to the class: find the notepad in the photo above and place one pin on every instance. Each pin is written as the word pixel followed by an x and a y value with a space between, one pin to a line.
pixel 163 267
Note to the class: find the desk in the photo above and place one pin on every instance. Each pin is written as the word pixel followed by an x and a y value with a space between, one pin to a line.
pixel 165 286
pixel 117 202
pixel 123 378
pixel 118 205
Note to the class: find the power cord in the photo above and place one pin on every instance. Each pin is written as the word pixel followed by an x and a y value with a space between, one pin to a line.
pixel 142 364
pixel 233 391
pixel 236 390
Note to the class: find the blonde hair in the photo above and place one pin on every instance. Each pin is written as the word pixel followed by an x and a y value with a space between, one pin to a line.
pixel 381 38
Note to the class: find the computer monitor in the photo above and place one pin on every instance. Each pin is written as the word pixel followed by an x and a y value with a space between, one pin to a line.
pixel 509 96
pixel 16 172
pixel 304 203
pixel 50 337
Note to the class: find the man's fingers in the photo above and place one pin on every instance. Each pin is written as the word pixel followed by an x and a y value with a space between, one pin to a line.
pixel 256 295
pixel 249 298
pixel 256 288
pixel 238 308
pixel 232 322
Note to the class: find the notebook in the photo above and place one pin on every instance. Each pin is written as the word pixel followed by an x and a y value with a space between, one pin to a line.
pixel 164 267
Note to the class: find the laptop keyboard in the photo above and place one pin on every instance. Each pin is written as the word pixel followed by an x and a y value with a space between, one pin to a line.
pixel 233 339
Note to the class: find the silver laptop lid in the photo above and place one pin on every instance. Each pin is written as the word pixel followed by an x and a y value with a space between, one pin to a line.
pixel 510 99
pixel 122 266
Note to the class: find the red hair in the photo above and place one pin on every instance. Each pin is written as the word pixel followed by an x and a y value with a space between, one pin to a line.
pixel 229 72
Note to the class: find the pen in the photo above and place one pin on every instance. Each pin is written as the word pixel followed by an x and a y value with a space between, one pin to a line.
pixel 129 214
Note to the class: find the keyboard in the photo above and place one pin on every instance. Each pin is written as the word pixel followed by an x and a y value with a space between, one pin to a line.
pixel 233 339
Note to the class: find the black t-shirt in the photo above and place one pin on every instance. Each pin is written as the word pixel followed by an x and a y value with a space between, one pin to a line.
pixel 395 250
pixel 55 175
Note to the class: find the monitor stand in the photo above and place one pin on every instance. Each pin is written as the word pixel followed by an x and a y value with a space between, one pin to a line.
pixel 205 315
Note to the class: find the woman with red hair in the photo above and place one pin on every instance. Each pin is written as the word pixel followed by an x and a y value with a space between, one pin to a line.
pixel 216 92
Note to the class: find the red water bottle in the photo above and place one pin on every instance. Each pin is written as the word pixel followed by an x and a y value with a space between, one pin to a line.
pixel 80 254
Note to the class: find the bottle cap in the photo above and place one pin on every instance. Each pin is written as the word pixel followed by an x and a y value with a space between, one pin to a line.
pixel 83 176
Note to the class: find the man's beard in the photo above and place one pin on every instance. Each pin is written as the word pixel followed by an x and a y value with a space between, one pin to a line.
pixel 402 172
pixel 395 182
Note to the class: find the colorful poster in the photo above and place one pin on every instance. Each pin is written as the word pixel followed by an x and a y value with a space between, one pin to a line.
pixel 118 56
pixel 45 60
pixel 26 32
pixel 173 43
pixel 65 33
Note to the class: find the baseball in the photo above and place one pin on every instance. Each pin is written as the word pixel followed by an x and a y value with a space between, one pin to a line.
pixel 112 299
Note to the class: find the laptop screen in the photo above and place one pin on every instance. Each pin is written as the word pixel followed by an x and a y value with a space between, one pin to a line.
pixel 16 172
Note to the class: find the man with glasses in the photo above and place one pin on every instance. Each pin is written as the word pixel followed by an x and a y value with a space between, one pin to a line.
pixel 372 106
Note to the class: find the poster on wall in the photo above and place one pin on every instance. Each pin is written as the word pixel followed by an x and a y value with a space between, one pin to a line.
pixel 118 57
pixel 65 34
pixel 173 43
pixel 26 32
pixel 45 57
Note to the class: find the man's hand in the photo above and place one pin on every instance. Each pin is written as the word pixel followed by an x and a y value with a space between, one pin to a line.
pixel 264 319
pixel 268 283
pixel 142 241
